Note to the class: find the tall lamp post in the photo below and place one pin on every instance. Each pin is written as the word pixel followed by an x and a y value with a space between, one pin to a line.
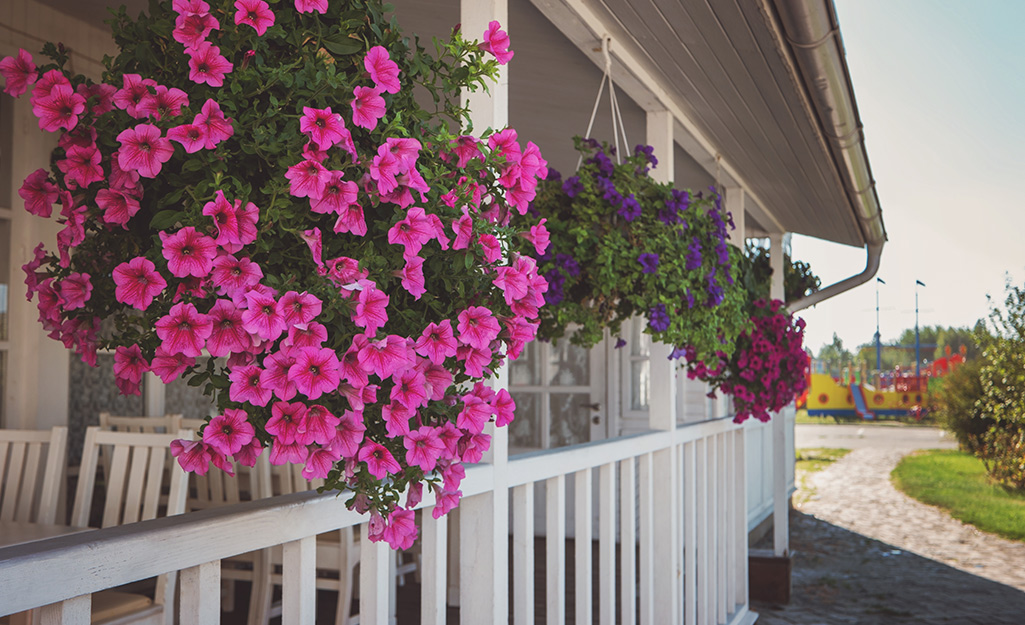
pixel 879 364
pixel 918 356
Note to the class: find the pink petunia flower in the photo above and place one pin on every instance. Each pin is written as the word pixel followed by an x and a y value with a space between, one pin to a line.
pixel 319 427
pixel 228 335
pixel 134 89
pixel 371 312
pixel 39 193
pixel 350 219
pixel 439 379
pixel 101 93
pixel 81 165
pixel 367 107
pixel 45 84
pixel 234 276
pixel 193 456
pixel 445 501
pixel 383 71
pixel 474 360
pixel 206 65
pixel 437 342
pixel 288 453
pixel 275 375
pixel 323 127
pixel 337 195
pixel 60 109
pixel 247 385
pixel 228 433
pixel 193 27
pixel 249 453
pixel 164 102
pixel 400 532
pixel 496 41
pixel 75 290
pixel 216 127
pixel 118 206
pixel 287 419
pixel 311 334
pixel 380 462
pixel 423 448
pixel 169 366
pixel 410 389
pixel 255 13
pixel 308 179
pixel 466 148
pixel 412 231
pixel 225 218
pixel 184 330
pixel 137 283
pixel 319 463
pixel 144 150
pixel 385 356
pixel 475 414
pixel 349 433
pixel 309 6
pixel 262 316
pixel 477 327
pixel 188 252
pixel 299 307
pixel 315 372
pixel 491 247
pixel 129 363
pixel 539 236
pixel 413 276
pixel 19 72
pixel 191 136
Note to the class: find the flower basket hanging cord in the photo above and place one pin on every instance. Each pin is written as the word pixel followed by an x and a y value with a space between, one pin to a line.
pixel 252 199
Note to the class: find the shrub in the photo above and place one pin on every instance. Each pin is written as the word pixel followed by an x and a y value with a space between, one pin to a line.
pixel 957 407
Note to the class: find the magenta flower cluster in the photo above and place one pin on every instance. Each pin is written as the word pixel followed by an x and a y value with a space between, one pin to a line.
pixel 326 365
pixel 768 368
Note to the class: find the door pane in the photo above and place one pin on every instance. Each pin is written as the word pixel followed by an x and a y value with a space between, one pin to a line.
pixel 525 430
pixel 640 384
pixel 569 365
pixel 640 343
pixel 571 418
pixel 525 370
pixel 5 276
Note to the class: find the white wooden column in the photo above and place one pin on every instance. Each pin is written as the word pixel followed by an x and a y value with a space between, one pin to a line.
pixel 484 518
pixel 780 494
pixel 734 200
pixel 666 572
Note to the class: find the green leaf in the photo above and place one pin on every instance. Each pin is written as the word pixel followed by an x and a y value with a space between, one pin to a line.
pixel 165 219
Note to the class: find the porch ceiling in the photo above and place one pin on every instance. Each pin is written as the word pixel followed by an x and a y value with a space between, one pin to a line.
pixel 722 60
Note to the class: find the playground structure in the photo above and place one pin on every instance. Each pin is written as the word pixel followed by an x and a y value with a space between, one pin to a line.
pixel 896 393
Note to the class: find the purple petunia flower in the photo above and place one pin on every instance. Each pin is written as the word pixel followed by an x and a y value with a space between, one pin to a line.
pixel 553 174
pixel 658 318
pixel 620 342
pixel 631 208
pixel 568 264
pixel 649 262
pixel 572 186
pixel 690 299
pixel 677 353
pixel 694 254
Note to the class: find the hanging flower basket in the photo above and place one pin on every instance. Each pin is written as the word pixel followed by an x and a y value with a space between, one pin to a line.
pixel 624 245
pixel 768 367
pixel 252 199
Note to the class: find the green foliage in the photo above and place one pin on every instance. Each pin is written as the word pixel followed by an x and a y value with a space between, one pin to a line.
pixel 835 356
pixel 957 406
pixel 958 483
pixel 1002 376
pixel 596 280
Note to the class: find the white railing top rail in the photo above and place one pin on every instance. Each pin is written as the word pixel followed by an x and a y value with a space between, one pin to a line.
pixel 541 465
pixel 48 571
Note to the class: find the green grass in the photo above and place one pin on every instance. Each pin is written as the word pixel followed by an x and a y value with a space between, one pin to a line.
pixel 802 417
pixel 957 482
pixel 810 461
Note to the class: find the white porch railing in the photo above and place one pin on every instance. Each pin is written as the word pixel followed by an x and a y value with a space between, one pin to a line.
pixel 690 563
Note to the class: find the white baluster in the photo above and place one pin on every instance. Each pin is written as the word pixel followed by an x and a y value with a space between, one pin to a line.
pixel 628 542
pixel 76 611
pixel 299 582
pixel 646 595
pixel 375 581
pixel 201 594
pixel 607 543
pixel 555 547
pixel 523 554
pixel 434 563
pixel 582 543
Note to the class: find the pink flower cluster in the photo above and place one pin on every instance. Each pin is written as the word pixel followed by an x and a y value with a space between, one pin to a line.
pixel 768 368
pixel 317 373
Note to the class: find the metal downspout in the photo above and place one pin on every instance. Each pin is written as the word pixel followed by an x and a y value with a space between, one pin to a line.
pixel 812 34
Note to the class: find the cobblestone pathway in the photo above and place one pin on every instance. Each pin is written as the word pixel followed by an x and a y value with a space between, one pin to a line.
pixel 865 553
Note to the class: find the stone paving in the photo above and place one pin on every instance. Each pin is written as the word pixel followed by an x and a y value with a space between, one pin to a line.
pixel 865 553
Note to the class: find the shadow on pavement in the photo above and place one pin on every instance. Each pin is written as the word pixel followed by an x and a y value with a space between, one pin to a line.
pixel 842 577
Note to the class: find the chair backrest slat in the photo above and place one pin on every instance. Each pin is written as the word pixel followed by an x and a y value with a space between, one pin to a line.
pixel 151 502
pixel 29 480
pixel 137 477
pixel 116 485
pixel 30 477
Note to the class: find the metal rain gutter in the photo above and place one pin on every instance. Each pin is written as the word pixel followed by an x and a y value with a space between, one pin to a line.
pixel 810 27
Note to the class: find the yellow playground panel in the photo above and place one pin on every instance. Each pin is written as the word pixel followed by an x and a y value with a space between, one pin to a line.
pixel 827 397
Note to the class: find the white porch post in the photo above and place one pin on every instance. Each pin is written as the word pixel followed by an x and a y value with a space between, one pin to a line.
pixel 735 200
pixel 484 519
pixel 780 496
pixel 663 573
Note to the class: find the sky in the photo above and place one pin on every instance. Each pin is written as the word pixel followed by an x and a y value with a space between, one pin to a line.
pixel 939 86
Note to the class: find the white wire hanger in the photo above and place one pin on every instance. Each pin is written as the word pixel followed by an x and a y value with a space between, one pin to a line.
pixel 617 117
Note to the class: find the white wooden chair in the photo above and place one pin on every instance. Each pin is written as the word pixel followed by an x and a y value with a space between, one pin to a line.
pixel 167 424
pixel 28 494
pixel 134 485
